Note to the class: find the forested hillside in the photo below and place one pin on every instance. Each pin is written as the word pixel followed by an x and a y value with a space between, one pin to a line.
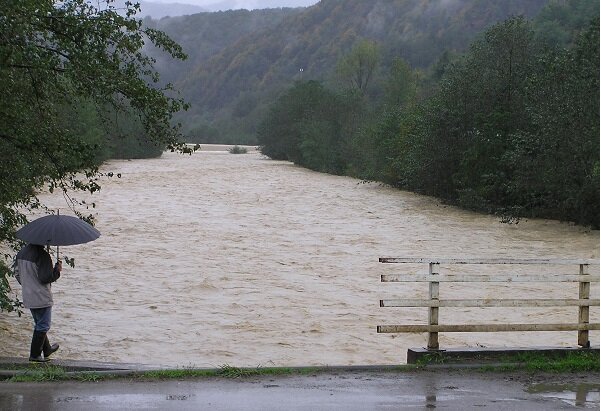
pixel 240 61
pixel 205 35
pixel 509 127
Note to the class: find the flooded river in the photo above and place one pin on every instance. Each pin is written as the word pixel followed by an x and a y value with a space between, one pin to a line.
pixel 215 259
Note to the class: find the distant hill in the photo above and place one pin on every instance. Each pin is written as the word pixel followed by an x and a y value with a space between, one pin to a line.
pixel 157 10
pixel 160 9
pixel 223 5
pixel 206 35
pixel 240 60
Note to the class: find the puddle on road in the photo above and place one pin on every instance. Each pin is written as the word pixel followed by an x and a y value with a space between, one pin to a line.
pixel 32 401
pixel 579 395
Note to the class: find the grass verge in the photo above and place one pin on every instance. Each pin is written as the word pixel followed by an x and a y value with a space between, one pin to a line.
pixel 228 371
pixel 530 362
pixel 574 361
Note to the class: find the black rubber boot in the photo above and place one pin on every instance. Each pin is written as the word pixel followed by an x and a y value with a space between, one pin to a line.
pixel 47 348
pixel 37 345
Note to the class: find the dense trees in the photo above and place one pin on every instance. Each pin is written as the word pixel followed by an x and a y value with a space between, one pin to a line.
pixel 514 129
pixel 556 159
pixel 67 70
pixel 310 125
pixel 510 127
pixel 479 105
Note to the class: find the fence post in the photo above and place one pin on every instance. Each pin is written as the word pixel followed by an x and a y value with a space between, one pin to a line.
pixel 584 290
pixel 433 313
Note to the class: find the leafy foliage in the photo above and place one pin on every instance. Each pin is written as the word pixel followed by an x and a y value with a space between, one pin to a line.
pixel 309 125
pixel 514 129
pixel 66 70
pixel 481 104
pixel 556 159
pixel 238 150
pixel 357 67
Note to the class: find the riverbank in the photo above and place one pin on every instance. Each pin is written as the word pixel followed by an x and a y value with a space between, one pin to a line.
pixel 543 359
pixel 224 147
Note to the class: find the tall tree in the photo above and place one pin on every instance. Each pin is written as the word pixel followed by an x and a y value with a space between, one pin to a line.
pixel 53 57
pixel 480 103
pixel 556 160
pixel 401 84
pixel 356 68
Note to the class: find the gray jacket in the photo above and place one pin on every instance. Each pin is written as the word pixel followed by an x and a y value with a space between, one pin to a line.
pixel 33 270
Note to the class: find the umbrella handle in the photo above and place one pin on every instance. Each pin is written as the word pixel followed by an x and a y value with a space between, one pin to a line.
pixel 58 212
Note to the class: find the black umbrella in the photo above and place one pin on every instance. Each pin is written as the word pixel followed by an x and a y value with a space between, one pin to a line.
pixel 58 230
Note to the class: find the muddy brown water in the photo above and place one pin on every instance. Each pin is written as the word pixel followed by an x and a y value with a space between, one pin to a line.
pixel 215 259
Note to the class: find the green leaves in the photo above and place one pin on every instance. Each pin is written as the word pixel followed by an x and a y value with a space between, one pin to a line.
pixel 514 129
pixel 356 68
pixel 309 125
pixel 68 70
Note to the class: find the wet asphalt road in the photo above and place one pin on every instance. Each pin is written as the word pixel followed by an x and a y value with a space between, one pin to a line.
pixel 440 389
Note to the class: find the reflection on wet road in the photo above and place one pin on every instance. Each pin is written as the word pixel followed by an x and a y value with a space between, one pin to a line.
pixel 348 391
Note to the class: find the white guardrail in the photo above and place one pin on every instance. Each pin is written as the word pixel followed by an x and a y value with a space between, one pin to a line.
pixel 580 275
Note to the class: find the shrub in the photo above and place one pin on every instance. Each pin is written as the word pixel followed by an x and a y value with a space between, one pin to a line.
pixel 238 150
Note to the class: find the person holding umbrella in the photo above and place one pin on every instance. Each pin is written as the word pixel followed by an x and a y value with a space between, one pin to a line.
pixel 34 271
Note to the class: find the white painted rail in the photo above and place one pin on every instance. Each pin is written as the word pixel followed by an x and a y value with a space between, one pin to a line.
pixel 434 303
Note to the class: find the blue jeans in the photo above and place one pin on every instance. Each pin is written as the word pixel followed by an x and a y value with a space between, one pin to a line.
pixel 41 318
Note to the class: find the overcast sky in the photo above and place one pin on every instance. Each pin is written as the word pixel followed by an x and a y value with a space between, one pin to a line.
pixel 245 4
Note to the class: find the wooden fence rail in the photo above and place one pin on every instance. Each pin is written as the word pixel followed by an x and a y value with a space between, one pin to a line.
pixel 434 303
